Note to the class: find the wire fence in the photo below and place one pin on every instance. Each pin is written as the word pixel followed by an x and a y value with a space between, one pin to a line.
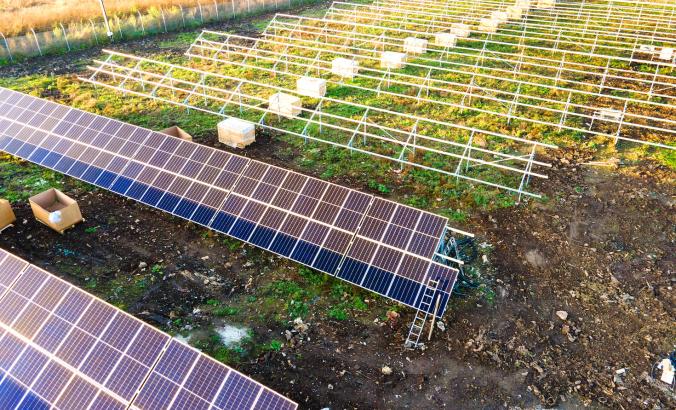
pixel 87 33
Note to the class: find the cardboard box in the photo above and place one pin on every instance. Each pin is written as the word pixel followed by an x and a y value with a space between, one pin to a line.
pixel 55 209
pixel 344 67
pixel 488 25
pixel 236 133
pixel 667 53
pixel 460 30
pixel 609 114
pixel 500 16
pixel 545 4
pixel 392 59
pixel 413 45
pixel 311 87
pixel 177 132
pixel 6 214
pixel 285 105
pixel 445 39
pixel 515 12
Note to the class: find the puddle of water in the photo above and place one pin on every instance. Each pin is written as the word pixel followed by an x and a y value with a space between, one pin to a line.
pixel 231 335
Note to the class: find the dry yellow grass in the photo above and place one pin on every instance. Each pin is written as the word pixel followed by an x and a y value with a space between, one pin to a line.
pixel 17 16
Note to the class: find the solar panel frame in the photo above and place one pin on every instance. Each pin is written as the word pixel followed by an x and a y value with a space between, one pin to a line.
pixel 320 226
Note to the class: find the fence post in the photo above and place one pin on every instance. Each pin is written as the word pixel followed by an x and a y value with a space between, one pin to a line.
pixel 143 27
pixel 65 35
pixel 35 36
pixel 96 36
pixel 248 6
pixel 199 5
pixel 163 20
pixel 216 7
pixel 233 8
pixel 182 15
pixel 9 52
pixel 119 27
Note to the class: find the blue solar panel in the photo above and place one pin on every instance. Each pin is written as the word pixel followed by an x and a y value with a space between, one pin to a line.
pixel 62 348
pixel 371 242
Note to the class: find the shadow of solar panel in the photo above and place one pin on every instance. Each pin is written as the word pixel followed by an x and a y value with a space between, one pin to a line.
pixel 365 240
pixel 64 348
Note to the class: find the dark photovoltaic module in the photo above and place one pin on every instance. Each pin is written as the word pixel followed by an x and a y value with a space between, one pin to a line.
pixel 374 243
pixel 63 348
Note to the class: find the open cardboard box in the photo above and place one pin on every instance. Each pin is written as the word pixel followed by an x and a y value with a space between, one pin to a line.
pixel 55 209
pixel 177 132
pixel 6 214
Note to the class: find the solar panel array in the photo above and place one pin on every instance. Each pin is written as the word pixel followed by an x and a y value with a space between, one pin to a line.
pixel 63 348
pixel 373 243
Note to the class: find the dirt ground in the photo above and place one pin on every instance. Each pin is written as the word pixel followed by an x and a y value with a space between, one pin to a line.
pixel 601 248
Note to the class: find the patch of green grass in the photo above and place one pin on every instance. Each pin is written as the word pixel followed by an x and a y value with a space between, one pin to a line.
pixel 337 313
pixel 297 308
pixel 19 180
pixel 275 345
pixel 487 293
pixel 181 40
pixel 668 158
pixel 480 198
pixel 124 290
pixel 339 289
pixel 286 288
pixel 375 185
pixel 294 297
pixel 458 215
pixel 91 283
pixel 225 311
pixel 312 276
pixel 231 243
pixel 359 304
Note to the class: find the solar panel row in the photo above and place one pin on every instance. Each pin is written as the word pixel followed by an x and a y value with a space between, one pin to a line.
pixel 377 244
pixel 64 348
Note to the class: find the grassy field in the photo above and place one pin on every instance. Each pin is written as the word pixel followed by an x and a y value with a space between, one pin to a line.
pixel 18 16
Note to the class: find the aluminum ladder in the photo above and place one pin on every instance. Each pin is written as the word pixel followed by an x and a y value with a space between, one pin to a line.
pixel 416 330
